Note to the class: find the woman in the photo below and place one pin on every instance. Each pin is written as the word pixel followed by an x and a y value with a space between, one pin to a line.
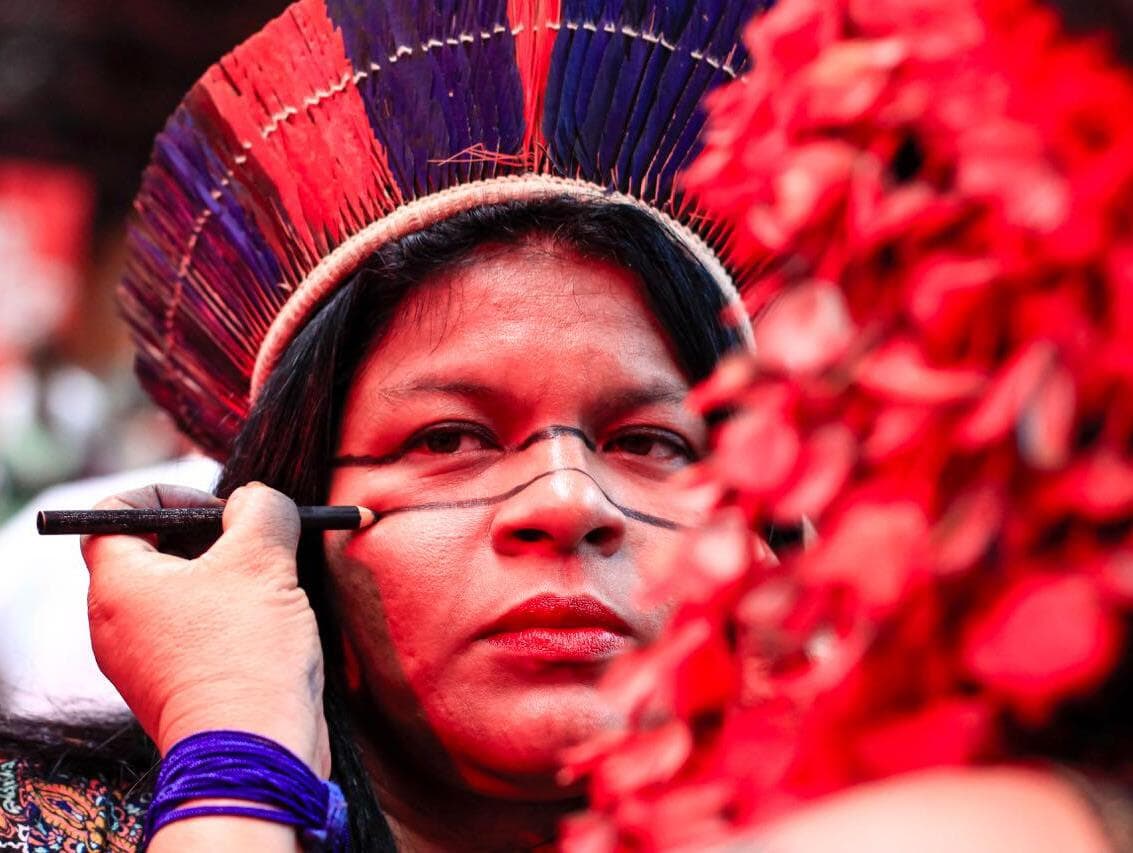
pixel 400 256
pixel 518 442
pixel 388 303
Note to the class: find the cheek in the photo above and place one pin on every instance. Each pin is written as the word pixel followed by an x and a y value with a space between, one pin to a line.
pixel 645 589
pixel 656 556
pixel 402 588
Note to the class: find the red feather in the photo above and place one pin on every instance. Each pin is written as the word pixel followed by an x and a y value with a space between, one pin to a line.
pixel 535 24
pixel 316 150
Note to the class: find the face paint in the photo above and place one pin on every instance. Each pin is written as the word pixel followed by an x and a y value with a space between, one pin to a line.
pixel 518 427
pixel 508 465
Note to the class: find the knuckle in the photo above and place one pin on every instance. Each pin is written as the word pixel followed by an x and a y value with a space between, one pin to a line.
pixel 115 502
pixel 256 495
pixel 274 500
pixel 94 555
pixel 274 530
pixel 272 510
pixel 88 547
pixel 146 497
pixel 102 608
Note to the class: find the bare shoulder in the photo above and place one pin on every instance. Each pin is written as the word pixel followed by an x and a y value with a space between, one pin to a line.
pixel 970 809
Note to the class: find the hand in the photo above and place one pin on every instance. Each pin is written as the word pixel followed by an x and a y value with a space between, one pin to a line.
pixel 225 640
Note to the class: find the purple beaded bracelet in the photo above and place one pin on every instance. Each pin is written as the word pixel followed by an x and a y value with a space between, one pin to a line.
pixel 231 765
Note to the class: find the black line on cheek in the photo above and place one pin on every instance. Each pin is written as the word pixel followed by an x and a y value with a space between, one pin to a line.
pixel 556 430
pixel 646 518
pixel 470 503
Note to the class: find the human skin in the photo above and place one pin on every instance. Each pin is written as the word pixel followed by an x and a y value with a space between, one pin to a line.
pixel 525 338
pixel 940 811
pixel 502 351
pixel 229 641
pixel 224 641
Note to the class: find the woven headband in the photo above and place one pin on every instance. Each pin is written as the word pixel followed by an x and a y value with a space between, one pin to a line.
pixel 347 124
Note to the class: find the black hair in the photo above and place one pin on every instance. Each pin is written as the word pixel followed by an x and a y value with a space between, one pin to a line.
pixel 1112 20
pixel 293 454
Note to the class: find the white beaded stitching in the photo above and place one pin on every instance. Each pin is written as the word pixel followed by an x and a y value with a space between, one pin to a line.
pixel 330 269
pixel 357 76
pixel 186 261
pixel 309 102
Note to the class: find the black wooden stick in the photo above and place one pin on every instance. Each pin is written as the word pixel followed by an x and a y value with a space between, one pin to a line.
pixel 71 521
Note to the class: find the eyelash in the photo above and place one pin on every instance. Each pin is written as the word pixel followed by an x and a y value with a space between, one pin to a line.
pixel 419 439
pixel 672 440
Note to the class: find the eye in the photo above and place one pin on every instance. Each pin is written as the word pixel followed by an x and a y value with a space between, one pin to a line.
pixel 448 439
pixel 654 445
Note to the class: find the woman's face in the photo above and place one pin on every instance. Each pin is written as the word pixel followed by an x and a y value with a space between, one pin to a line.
pixel 518 425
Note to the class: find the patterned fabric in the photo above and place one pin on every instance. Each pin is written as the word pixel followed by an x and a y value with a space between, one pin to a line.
pixel 52 810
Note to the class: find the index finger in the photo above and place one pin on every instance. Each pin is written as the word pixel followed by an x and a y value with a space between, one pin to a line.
pixel 97 548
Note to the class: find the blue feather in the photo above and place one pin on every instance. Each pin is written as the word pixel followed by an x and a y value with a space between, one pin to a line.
pixel 626 80
pixel 432 103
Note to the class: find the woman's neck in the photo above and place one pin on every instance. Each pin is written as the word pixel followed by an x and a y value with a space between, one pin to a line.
pixel 427 815
pixel 463 821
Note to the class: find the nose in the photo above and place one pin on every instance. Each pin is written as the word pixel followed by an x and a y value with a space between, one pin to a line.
pixel 561 513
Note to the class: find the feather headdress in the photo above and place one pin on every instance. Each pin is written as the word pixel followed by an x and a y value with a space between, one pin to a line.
pixel 344 124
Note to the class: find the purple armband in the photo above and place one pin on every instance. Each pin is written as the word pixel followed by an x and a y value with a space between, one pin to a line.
pixel 230 765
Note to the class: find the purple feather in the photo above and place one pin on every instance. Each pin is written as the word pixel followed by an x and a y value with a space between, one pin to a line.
pixel 430 103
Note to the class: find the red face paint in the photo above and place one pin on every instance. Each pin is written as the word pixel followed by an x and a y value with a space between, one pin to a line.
pixel 518 426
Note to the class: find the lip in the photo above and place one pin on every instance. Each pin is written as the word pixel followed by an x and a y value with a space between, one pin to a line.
pixel 556 628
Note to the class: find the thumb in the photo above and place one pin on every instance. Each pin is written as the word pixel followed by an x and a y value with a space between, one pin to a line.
pixel 261 527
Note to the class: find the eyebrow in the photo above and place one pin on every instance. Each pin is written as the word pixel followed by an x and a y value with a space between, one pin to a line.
pixel 627 399
pixel 436 385
pixel 611 404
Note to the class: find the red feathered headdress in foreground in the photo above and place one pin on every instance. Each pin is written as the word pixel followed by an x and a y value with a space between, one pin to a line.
pixel 939 195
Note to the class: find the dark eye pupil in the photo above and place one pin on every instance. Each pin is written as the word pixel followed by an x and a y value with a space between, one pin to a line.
pixel 638 444
pixel 447 441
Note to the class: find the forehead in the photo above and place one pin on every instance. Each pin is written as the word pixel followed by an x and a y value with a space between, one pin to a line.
pixel 531 313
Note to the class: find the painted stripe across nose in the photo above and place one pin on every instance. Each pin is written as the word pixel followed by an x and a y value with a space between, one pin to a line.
pixel 471 503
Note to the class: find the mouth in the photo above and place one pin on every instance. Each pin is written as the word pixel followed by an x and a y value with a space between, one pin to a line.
pixel 560 629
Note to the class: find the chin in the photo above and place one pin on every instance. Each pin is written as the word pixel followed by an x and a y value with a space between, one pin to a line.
pixel 516 748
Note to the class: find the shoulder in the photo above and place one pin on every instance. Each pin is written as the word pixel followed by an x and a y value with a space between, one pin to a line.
pixel 971 809
pixel 55 808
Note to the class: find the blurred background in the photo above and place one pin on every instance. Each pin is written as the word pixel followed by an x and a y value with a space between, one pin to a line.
pixel 85 85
